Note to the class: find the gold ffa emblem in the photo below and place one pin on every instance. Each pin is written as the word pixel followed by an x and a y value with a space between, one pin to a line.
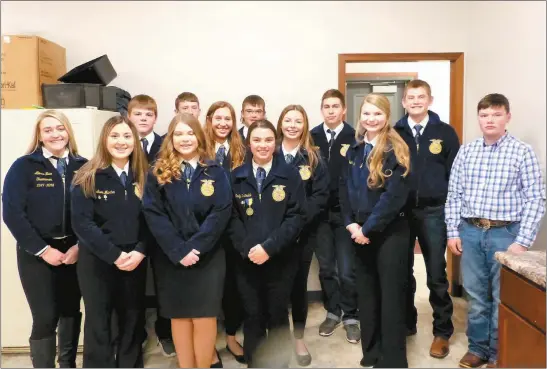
pixel 344 149
pixel 305 172
pixel 278 193
pixel 436 146
pixel 207 188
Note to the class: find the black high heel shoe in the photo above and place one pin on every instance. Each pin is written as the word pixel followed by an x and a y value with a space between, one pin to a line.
pixel 239 358
pixel 219 364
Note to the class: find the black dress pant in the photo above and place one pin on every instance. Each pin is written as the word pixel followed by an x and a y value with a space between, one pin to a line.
pixel 427 224
pixel 265 291
pixel 51 291
pixel 299 294
pixel 162 326
pixel 231 300
pixel 382 275
pixel 105 289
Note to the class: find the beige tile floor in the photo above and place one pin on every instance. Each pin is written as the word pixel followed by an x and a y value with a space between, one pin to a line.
pixel 333 351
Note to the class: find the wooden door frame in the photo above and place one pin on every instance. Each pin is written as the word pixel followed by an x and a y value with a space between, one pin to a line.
pixel 456 114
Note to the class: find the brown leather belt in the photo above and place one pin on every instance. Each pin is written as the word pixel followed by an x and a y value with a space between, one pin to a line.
pixel 487 223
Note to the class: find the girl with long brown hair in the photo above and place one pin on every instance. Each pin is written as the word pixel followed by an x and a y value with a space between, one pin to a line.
pixel 108 220
pixel 187 204
pixel 296 146
pixel 36 209
pixel 373 191
pixel 226 147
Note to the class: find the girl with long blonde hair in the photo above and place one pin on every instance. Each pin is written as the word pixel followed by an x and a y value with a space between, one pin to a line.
pixel 187 204
pixel 36 210
pixel 296 146
pixel 108 220
pixel 373 192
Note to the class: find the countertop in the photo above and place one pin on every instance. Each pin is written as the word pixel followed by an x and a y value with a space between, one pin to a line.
pixel 529 264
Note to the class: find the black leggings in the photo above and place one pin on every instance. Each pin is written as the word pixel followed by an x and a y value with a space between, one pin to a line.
pixel 51 291
pixel 299 293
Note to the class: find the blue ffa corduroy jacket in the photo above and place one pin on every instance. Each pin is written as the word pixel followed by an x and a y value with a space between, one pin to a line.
pixel 273 219
pixel 316 184
pixel 337 157
pixel 113 221
pixel 431 166
pixel 375 208
pixel 182 218
pixel 33 198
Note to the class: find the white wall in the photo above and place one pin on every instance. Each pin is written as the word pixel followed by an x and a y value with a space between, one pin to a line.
pixel 506 54
pixel 436 73
pixel 287 51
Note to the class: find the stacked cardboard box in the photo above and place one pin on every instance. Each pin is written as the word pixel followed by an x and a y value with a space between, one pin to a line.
pixel 27 63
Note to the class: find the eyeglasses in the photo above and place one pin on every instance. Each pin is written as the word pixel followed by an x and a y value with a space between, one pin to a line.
pixel 250 111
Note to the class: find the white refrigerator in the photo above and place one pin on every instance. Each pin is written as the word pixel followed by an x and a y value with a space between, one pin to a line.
pixel 16 132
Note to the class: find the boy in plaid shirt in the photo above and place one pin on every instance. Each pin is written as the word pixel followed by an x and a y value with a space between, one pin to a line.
pixel 496 200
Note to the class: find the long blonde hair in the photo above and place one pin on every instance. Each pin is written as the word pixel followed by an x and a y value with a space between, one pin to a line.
pixel 306 140
pixel 388 140
pixel 167 166
pixel 36 143
pixel 237 149
pixel 85 177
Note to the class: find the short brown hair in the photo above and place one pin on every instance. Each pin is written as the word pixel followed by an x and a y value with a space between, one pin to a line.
pixel 253 100
pixel 334 93
pixel 142 102
pixel 417 83
pixel 497 100
pixel 186 96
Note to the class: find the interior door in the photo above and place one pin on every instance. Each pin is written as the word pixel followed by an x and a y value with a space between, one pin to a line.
pixel 357 90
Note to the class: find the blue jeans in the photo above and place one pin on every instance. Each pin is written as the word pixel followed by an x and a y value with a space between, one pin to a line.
pixel 481 281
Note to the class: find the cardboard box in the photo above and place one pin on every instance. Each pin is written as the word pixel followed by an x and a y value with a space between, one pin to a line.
pixel 27 62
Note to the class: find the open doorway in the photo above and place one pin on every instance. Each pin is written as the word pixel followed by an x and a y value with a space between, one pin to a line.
pixel 390 84
pixel 454 113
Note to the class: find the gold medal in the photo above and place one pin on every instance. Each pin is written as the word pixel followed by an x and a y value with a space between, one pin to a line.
pixel 305 172
pixel 344 149
pixel 250 211
pixel 435 147
pixel 278 193
pixel 207 188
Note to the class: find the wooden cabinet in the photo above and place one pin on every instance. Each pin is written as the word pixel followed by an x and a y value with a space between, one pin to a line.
pixel 521 326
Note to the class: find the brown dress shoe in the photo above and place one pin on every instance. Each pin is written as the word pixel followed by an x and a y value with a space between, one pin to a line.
pixel 439 348
pixel 492 364
pixel 470 360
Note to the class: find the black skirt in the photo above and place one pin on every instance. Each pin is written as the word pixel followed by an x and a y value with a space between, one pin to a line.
pixel 190 292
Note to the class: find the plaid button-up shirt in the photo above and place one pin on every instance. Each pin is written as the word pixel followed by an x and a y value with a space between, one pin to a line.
pixel 502 181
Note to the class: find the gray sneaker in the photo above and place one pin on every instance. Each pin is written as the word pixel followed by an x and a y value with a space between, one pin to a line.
pixel 353 333
pixel 167 347
pixel 328 326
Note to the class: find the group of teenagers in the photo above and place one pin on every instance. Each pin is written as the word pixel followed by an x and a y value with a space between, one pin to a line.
pixel 230 220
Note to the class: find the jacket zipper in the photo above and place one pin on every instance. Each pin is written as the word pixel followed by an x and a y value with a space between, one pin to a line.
pixel 63 224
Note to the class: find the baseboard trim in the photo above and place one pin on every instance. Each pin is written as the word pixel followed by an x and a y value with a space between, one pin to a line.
pixel 26 350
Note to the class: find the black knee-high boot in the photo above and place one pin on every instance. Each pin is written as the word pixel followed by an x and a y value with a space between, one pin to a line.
pixel 42 352
pixel 68 333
